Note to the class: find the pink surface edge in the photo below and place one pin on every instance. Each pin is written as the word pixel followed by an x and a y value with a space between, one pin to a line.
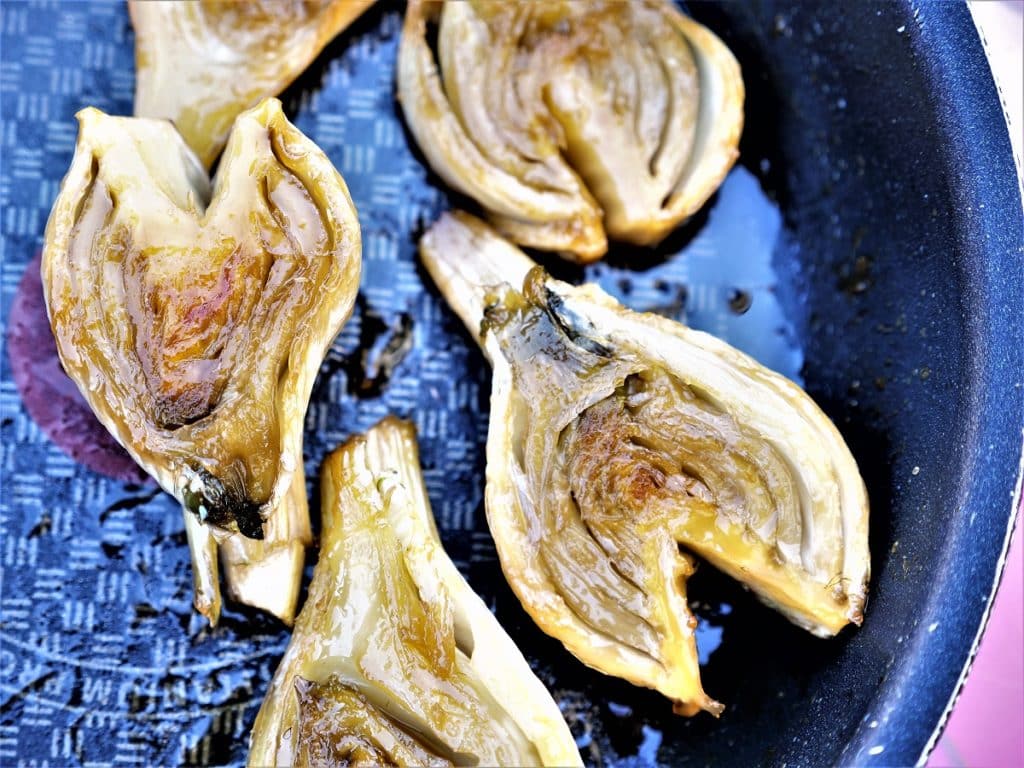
pixel 986 728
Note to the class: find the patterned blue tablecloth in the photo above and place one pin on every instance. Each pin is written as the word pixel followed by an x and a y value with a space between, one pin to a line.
pixel 103 661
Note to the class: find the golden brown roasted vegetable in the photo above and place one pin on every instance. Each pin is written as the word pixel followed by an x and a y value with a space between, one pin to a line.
pixel 195 320
pixel 394 659
pixel 621 445
pixel 202 62
pixel 569 120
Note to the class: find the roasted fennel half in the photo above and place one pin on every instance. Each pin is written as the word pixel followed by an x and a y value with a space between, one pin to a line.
pixel 201 63
pixel 571 122
pixel 194 320
pixel 394 659
pixel 623 445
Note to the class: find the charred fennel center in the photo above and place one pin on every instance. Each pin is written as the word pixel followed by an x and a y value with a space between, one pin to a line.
pixel 194 316
pixel 617 437
pixel 193 363
pixel 361 704
pixel 394 660
pixel 645 455
pixel 572 122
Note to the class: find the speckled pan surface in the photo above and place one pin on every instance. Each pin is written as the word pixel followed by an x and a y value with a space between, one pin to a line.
pixel 869 243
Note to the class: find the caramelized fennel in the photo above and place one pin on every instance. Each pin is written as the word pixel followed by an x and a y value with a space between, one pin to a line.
pixel 572 121
pixel 200 63
pixel 186 317
pixel 394 661
pixel 622 445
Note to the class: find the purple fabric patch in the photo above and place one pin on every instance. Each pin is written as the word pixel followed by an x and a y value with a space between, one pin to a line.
pixel 50 397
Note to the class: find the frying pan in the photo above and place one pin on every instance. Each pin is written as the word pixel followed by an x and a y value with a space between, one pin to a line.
pixel 869 244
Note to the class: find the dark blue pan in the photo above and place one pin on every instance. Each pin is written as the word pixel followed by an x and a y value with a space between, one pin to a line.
pixel 870 244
